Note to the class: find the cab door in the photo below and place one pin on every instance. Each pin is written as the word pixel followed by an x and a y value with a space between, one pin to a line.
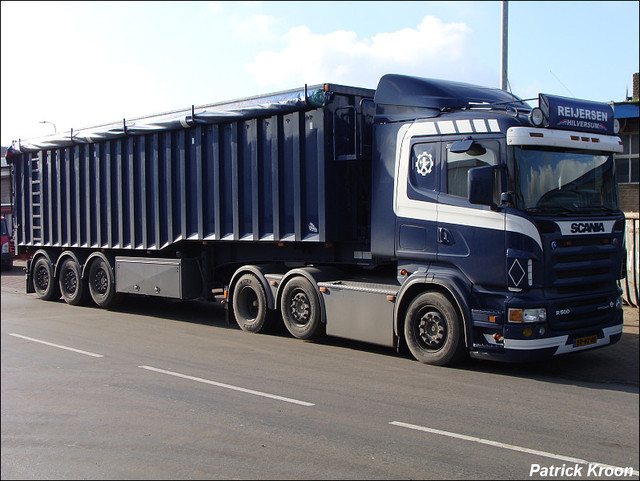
pixel 471 237
pixel 416 199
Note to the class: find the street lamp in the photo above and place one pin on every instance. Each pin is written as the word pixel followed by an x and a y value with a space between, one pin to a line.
pixel 55 131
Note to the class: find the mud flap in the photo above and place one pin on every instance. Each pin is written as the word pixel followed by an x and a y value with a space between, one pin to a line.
pixel 28 280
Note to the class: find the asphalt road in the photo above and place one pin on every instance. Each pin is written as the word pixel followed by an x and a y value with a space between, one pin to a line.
pixel 159 389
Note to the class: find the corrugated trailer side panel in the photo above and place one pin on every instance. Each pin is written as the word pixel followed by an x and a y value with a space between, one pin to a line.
pixel 259 179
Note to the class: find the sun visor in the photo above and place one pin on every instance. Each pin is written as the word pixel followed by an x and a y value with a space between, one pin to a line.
pixel 575 114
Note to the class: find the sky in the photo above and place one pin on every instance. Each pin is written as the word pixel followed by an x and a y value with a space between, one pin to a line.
pixel 80 64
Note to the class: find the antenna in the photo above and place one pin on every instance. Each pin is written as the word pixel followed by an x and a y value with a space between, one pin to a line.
pixel 572 94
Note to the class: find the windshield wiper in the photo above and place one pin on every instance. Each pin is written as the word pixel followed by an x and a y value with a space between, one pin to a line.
pixel 608 209
pixel 556 209
pixel 566 210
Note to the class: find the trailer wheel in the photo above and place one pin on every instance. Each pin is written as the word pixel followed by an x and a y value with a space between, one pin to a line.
pixel 300 309
pixel 102 285
pixel 433 330
pixel 72 287
pixel 44 282
pixel 250 304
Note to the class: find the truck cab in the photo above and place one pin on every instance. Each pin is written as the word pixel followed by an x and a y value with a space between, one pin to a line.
pixel 5 241
pixel 510 211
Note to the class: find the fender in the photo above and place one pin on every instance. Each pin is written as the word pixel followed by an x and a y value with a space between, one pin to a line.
pixel 313 275
pixel 110 260
pixel 41 252
pixel 61 258
pixel 435 278
pixel 30 263
pixel 258 271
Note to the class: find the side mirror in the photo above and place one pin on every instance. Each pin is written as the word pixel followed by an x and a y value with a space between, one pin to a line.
pixel 481 182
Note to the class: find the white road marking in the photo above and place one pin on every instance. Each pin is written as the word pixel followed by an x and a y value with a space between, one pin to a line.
pixel 229 386
pixel 503 445
pixel 86 353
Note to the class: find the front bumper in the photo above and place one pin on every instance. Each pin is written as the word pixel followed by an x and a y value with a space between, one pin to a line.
pixel 513 346
pixel 518 350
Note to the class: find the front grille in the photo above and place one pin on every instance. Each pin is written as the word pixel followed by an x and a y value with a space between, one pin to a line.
pixel 578 270
pixel 580 267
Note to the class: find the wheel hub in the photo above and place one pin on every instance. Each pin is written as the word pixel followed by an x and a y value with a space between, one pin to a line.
pixel 300 308
pixel 248 302
pixel 432 329
pixel 100 281
pixel 42 278
pixel 70 282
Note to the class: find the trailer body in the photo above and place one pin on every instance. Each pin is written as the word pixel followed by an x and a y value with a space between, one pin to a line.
pixel 277 177
pixel 437 213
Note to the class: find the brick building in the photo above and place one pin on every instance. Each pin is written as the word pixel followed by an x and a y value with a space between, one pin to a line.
pixel 627 162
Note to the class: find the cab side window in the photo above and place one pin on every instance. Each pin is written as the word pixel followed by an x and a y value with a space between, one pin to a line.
pixel 458 165
pixel 423 168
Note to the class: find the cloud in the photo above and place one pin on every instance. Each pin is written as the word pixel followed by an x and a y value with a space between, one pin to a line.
pixel 257 25
pixel 216 7
pixel 125 90
pixel 432 49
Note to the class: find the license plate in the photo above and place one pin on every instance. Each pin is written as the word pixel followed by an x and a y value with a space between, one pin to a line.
pixel 585 341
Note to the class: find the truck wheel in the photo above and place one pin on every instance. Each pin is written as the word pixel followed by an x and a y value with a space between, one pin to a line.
pixel 72 287
pixel 433 330
pixel 300 309
pixel 250 304
pixel 44 282
pixel 102 285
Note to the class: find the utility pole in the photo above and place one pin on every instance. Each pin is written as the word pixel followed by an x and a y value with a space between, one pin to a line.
pixel 505 27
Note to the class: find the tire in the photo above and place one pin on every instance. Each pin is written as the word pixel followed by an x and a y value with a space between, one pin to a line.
pixel 301 310
pixel 102 285
pixel 250 304
pixel 433 330
pixel 44 281
pixel 72 287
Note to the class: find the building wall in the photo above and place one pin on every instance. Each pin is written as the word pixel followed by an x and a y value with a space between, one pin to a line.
pixel 5 182
pixel 627 171
pixel 628 198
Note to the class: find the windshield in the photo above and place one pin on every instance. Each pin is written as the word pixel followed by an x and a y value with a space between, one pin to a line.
pixel 560 180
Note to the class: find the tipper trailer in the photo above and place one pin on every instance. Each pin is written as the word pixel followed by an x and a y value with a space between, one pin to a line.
pixel 454 218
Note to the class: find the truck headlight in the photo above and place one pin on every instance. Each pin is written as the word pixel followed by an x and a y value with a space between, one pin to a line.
pixel 527 315
pixel 536 117
pixel 5 247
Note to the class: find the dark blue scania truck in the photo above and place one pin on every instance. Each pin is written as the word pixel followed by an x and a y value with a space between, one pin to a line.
pixel 451 218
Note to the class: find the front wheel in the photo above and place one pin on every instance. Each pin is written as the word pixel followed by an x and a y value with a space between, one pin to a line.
pixel 434 331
